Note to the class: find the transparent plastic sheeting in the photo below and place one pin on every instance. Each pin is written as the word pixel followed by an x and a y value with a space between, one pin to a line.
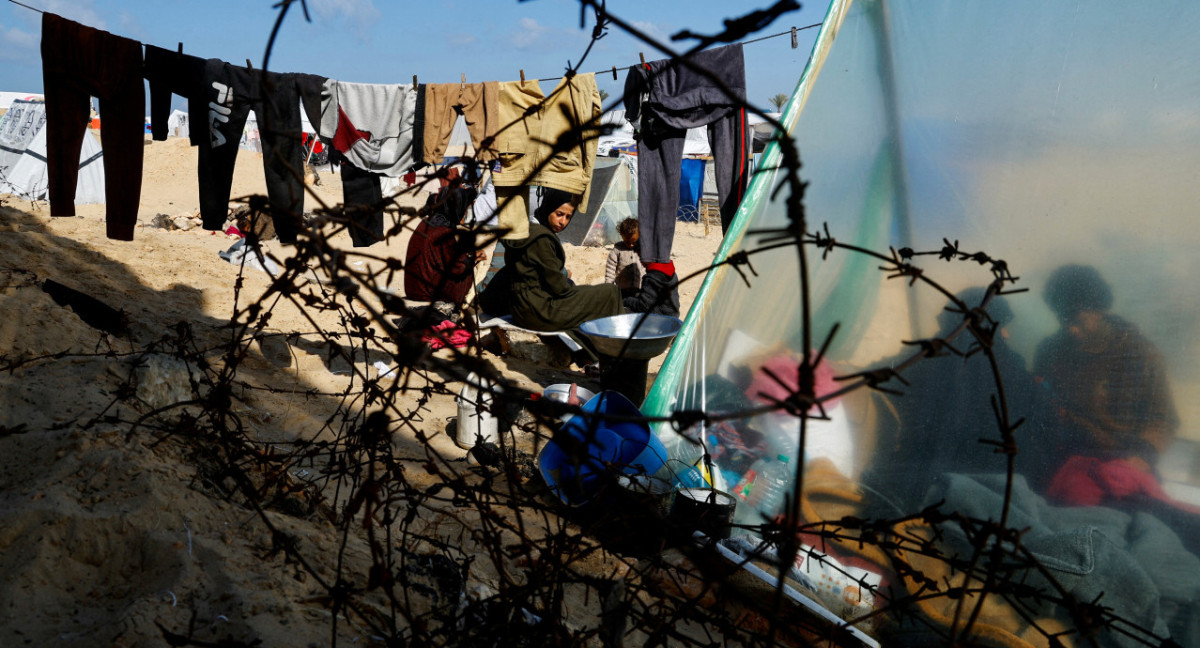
pixel 1062 137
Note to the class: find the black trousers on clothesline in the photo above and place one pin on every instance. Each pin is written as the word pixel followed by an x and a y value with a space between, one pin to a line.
pixel 79 62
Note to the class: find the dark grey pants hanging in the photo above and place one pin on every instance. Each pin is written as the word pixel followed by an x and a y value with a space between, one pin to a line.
pixel 662 100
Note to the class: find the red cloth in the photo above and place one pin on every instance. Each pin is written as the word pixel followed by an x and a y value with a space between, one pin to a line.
pixel 667 268
pixel 346 134
pixel 1088 481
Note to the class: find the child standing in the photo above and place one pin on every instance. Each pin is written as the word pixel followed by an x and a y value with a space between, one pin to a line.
pixel 624 265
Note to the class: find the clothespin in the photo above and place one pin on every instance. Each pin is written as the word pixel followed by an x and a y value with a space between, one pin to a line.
pixel 414 80
pixel 181 48
pixel 794 42
pixel 249 65
pixel 464 79
pixel 643 57
pixel 522 76
pixel 614 73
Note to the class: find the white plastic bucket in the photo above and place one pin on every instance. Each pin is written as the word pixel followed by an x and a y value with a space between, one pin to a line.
pixel 475 419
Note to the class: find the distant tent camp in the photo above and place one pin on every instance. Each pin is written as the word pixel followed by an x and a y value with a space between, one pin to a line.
pixel 696 178
pixel 23 157
pixel 613 198
pixel 620 137
pixel 1054 135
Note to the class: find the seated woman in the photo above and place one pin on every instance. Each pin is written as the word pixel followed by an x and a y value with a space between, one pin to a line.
pixel 533 285
pixel 440 260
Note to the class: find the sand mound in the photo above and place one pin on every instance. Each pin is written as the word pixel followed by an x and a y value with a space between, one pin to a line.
pixel 124 528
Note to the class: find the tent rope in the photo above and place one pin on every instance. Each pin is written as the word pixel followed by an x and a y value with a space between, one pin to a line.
pixel 608 70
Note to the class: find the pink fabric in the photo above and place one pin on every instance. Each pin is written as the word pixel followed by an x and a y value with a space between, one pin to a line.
pixel 1088 481
pixel 446 334
pixel 767 389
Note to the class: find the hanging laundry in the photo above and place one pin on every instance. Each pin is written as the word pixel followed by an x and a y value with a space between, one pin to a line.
pixel 371 124
pixel 79 62
pixel 478 103
pixel 175 73
pixel 362 200
pixel 373 133
pixel 546 141
pixel 232 92
pixel 662 100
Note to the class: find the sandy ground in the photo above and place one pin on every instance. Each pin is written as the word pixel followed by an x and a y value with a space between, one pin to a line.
pixel 107 538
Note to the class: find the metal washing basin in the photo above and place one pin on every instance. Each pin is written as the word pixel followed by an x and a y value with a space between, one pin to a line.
pixel 632 336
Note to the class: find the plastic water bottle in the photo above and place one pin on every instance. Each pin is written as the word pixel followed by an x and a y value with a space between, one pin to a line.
pixel 772 483
pixel 686 468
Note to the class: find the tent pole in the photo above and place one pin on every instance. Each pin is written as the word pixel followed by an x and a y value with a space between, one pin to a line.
pixel 901 205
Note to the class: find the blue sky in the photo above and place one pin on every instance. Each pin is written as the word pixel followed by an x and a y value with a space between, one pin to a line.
pixel 388 41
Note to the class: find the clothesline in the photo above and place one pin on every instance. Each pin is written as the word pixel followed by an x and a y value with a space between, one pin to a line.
pixel 26 6
pixel 615 69
pixel 612 69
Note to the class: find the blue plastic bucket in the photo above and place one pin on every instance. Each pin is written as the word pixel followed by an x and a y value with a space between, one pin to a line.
pixel 575 461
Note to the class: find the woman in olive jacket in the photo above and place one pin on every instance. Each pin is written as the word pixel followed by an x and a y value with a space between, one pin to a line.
pixel 533 285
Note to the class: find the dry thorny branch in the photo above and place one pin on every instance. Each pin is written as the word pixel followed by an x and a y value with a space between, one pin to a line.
pixel 479 553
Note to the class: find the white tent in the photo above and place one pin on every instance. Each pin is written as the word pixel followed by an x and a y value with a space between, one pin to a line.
pixel 7 98
pixel 23 157
pixel 177 124
pixel 251 140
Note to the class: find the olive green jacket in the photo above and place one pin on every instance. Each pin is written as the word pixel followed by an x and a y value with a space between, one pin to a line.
pixel 533 285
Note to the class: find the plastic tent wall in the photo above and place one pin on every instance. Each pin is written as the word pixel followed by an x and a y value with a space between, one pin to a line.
pixel 1046 133
pixel 613 199
pixel 23 157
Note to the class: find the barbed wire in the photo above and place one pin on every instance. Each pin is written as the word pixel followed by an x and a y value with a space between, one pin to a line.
pixel 432 549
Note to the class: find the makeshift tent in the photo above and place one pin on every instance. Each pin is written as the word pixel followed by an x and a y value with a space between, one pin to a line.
pixel 23 157
pixel 7 98
pixel 251 139
pixel 177 124
pixel 1045 133
pixel 613 198
pixel 460 144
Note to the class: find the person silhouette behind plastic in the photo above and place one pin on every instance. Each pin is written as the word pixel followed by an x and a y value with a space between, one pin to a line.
pixel 1107 382
pixel 944 421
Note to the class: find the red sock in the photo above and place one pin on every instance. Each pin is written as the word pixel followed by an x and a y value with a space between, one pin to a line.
pixel 667 268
